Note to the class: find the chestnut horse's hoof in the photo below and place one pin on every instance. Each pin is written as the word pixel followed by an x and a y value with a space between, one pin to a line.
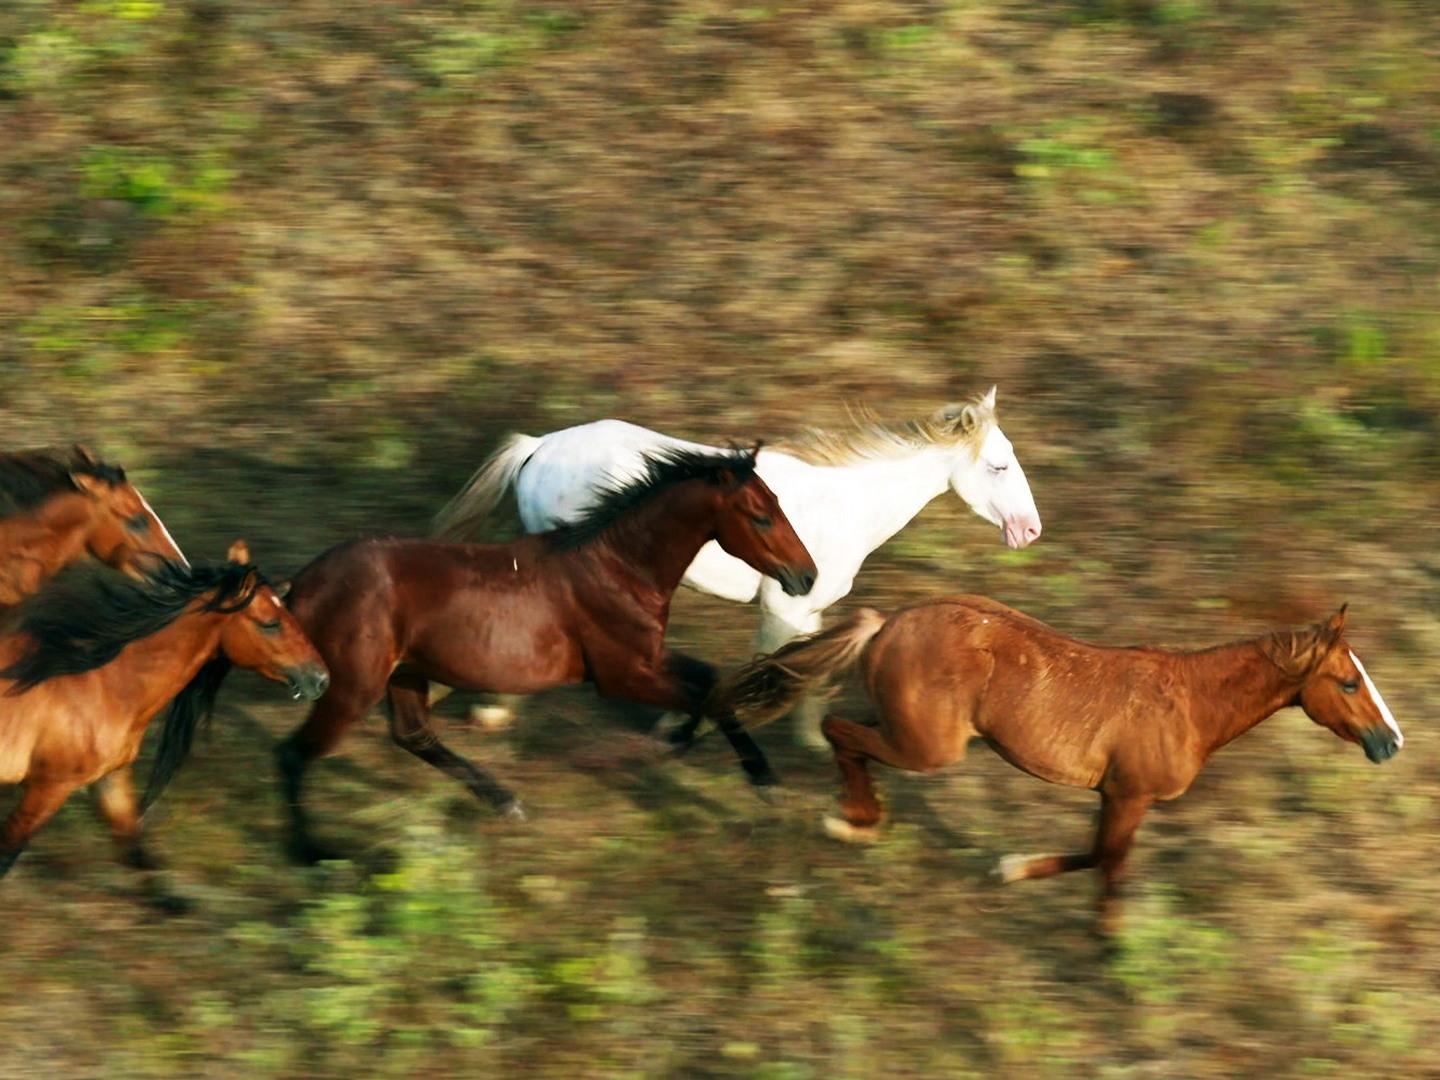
pixel 840 829
pixel 492 717
pixel 513 811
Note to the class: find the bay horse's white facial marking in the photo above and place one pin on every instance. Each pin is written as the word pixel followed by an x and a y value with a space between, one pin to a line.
pixel 1385 713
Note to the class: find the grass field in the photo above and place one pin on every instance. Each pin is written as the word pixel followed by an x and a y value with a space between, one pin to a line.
pixel 299 265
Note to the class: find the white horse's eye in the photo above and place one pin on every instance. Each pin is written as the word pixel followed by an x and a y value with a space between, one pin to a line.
pixel 998 469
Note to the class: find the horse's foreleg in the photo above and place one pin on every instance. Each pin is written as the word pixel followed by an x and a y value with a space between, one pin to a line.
pixel 855 746
pixel 410 728
pixel 115 799
pixel 37 806
pixel 779 627
pixel 343 704
pixel 683 683
pixel 1119 818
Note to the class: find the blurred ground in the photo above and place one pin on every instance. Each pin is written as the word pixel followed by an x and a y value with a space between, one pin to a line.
pixel 299 265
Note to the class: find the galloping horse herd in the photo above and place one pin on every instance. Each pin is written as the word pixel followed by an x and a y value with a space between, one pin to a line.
pixel 618 517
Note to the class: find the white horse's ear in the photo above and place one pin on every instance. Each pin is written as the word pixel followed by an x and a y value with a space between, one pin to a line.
pixel 989 399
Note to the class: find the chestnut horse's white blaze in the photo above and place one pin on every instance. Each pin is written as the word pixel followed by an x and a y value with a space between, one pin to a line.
pixel 845 493
pixel 1385 713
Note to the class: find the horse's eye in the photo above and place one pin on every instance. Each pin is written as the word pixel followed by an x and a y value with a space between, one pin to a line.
pixel 1349 685
pixel 761 521
pixel 139 523
pixel 998 469
pixel 272 627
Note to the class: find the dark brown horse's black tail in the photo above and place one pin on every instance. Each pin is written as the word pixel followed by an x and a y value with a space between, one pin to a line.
pixel 769 686
pixel 191 707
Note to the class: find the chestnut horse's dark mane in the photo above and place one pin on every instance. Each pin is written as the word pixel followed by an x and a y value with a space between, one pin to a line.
pixel 81 623
pixel 663 469
pixel 29 477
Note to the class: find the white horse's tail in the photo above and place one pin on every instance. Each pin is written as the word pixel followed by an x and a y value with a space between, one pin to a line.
pixel 463 515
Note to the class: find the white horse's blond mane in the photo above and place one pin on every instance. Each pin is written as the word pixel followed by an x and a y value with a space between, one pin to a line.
pixel 964 423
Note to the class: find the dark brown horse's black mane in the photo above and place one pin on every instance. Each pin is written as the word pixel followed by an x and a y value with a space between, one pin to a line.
pixel 663 469
pixel 82 621
pixel 29 477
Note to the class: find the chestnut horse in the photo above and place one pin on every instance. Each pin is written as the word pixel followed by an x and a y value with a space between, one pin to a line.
pixel 1134 724
pixel 93 661
pixel 585 603
pixel 58 503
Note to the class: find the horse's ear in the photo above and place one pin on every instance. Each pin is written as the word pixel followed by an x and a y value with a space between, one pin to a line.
pixel 1334 626
pixel 90 485
pixel 282 590
pixel 989 399
pixel 84 453
pixel 239 553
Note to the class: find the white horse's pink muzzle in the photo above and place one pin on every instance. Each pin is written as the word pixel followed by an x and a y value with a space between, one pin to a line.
pixel 1022 530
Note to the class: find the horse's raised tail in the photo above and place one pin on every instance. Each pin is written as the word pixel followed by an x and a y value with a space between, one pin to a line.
pixel 463 515
pixel 770 686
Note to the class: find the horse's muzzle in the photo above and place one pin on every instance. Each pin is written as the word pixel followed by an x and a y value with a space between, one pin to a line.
pixel 1380 745
pixel 796 582
pixel 308 683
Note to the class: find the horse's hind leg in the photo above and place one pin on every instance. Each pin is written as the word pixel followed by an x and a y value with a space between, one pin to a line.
pixel 410 728
pixel 115 799
pixel 37 805
pixel 695 680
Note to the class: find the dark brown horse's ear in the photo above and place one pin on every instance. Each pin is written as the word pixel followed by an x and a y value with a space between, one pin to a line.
pixel 282 590
pixel 84 453
pixel 90 485
pixel 239 553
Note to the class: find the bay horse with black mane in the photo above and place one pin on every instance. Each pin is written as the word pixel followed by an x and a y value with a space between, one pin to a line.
pixel 91 662
pixel 585 603
pixel 1134 724
pixel 57 504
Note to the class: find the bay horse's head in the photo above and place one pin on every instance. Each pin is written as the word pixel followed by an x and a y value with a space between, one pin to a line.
pixel 124 531
pixel 752 527
pixel 264 637
pixel 990 478
pixel 1338 692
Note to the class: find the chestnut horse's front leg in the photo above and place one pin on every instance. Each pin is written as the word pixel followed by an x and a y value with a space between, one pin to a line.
pixel 115 799
pixel 1120 816
pixel 37 806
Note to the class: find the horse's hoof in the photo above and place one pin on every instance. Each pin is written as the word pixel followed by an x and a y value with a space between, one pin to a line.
pixel 138 858
pixel 1012 868
pixel 492 717
pixel 168 903
pixel 840 829
pixel 306 853
pixel 513 811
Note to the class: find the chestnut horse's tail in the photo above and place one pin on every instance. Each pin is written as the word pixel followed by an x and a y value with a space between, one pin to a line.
pixel 769 686
pixel 463 515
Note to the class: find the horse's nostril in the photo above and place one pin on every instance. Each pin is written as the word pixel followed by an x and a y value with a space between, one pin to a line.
pixel 1032 532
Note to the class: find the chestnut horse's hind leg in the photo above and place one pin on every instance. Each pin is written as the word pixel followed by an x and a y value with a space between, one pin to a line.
pixel 410 728
pixel 1119 818
pixel 37 805
pixel 855 745
pixel 115 799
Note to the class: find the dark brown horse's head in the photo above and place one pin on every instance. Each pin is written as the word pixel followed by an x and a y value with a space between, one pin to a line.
pixel 752 527
pixel 264 637
pixel 1338 692
pixel 125 532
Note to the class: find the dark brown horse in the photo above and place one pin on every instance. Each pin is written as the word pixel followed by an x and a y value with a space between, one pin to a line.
pixel 1134 724
pixel 57 504
pixel 93 661
pixel 586 603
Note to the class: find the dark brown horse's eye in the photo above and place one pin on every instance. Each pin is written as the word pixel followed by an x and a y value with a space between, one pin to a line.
pixel 272 627
pixel 139 523
pixel 1349 686
pixel 761 521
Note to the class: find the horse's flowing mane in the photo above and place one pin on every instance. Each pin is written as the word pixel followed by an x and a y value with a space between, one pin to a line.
pixel 662 469
pixel 29 477
pixel 81 623
pixel 869 438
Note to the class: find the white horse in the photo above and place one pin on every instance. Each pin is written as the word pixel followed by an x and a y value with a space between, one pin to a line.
pixel 845 493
